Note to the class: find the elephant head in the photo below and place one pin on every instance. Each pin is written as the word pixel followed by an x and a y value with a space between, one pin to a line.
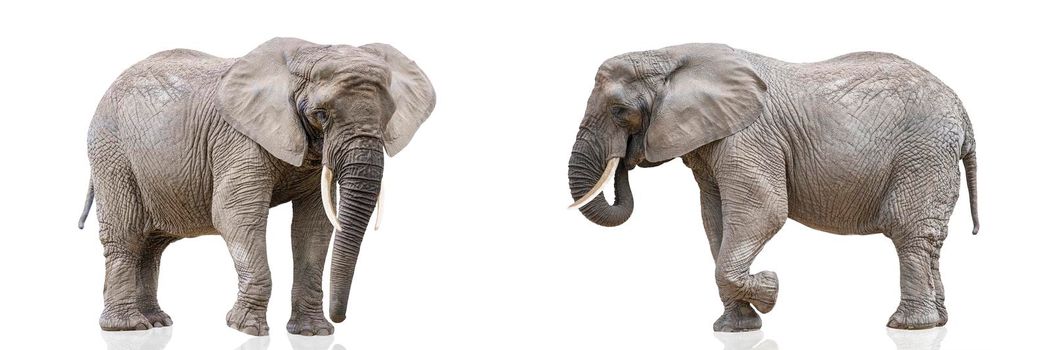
pixel 652 106
pixel 337 105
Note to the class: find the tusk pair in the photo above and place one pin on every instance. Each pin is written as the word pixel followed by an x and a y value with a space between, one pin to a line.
pixel 611 166
pixel 328 199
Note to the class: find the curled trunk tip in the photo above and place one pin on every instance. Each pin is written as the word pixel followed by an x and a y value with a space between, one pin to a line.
pixel 587 175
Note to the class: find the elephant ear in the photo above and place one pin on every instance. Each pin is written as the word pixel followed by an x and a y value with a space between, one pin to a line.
pixel 713 93
pixel 412 93
pixel 255 98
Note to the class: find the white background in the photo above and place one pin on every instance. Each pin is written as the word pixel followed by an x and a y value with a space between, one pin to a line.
pixel 477 249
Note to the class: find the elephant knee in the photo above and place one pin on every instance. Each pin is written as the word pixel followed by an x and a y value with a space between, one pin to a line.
pixel 920 243
pixel 730 279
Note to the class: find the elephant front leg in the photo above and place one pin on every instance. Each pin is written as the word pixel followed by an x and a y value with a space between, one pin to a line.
pixel 738 316
pixel 752 214
pixel 732 271
pixel 240 216
pixel 311 233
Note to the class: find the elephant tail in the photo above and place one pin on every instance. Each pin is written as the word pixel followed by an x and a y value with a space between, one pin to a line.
pixel 970 168
pixel 87 205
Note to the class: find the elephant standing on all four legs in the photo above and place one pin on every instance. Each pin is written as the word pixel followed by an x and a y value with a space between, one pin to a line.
pixel 859 144
pixel 185 144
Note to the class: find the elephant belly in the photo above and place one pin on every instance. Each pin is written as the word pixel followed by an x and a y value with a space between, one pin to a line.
pixel 838 212
pixel 169 157
pixel 176 193
pixel 839 188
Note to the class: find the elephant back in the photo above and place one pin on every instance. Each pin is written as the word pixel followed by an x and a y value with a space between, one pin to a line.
pixel 150 86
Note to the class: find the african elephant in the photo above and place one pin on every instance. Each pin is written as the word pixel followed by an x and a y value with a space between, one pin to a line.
pixel 859 144
pixel 185 144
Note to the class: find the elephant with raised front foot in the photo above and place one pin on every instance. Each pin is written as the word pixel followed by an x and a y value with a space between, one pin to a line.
pixel 859 144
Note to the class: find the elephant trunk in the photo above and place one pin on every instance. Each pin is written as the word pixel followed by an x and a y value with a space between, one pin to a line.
pixel 359 170
pixel 588 172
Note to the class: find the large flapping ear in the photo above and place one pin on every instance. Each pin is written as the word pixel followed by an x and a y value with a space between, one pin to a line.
pixel 712 94
pixel 412 93
pixel 255 98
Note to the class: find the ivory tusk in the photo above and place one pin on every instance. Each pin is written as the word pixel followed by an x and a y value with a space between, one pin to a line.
pixel 611 166
pixel 328 198
pixel 379 210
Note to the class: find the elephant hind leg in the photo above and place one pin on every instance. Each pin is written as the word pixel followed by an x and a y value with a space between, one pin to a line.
pixel 122 232
pixel 922 202
pixel 149 269
pixel 939 289
pixel 922 301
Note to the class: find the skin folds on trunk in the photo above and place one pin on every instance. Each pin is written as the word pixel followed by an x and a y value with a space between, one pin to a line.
pixel 586 165
pixel 358 168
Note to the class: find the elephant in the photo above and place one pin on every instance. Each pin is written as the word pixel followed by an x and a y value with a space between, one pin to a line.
pixel 862 143
pixel 185 144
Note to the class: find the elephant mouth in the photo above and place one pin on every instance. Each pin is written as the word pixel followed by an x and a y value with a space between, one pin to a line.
pixel 635 158
pixel 635 155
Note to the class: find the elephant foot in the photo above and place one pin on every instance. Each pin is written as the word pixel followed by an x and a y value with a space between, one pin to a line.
pixel 124 320
pixel 313 323
pixel 156 316
pixel 943 314
pixel 763 287
pixel 251 321
pixel 738 317
pixel 914 316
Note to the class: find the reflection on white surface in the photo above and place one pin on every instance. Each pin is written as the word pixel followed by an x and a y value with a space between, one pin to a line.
pixel 320 342
pixel 255 343
pixel 745 341
pixel 150 339
pixel 157 339
pixel 926 339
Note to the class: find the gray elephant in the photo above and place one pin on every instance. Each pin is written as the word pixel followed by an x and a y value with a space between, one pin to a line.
pixel 185 144
pixel 859 144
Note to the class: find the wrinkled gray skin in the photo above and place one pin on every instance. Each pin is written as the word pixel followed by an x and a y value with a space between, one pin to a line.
pixel 186 144
pixel 859 144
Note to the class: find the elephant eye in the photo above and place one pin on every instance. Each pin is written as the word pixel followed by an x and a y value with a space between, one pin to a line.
pixel 321 116
pixel 626 117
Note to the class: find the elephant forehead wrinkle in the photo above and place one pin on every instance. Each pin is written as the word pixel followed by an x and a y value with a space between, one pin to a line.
pixel 357 77
pixel 350 68
pixel 640 65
